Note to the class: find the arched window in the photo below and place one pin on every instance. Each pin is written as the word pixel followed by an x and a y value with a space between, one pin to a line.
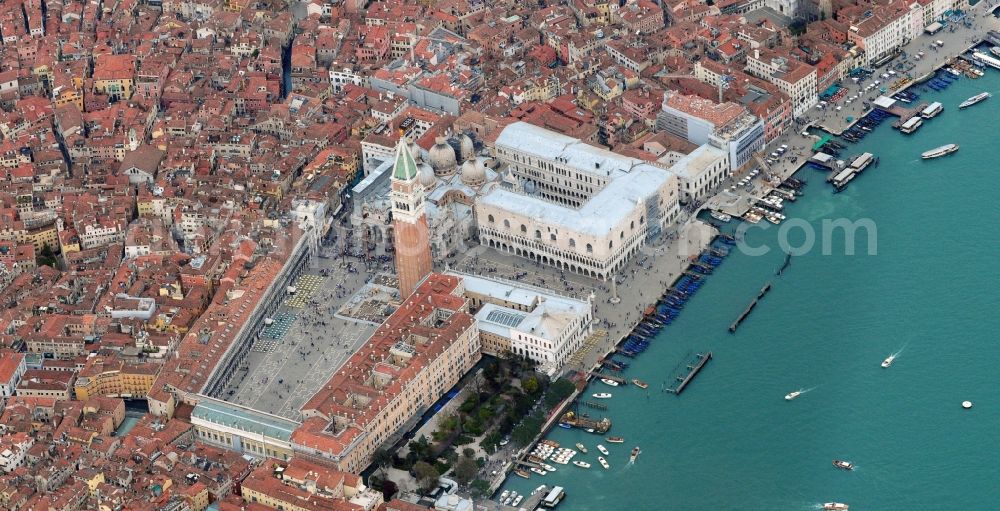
pixel 642 220
pixel 621 235
pixel 552 237
pixel 590 248
pixel 506 224
pixel 538 234
pixel 632 225
pixel 611 244
pixel 524 229
pixel 572 243
pixel 490 218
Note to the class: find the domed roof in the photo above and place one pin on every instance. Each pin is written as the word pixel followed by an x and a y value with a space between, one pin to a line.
pixel 427 177
pixel 468 149
pixel 473 172
pixel 414 150
pixel 442 157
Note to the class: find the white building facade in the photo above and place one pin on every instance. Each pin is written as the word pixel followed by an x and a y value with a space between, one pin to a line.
pixel 571 205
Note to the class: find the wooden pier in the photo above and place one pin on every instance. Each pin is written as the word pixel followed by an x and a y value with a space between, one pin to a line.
pixel 746 312
pixel 596 406
pixel 692 369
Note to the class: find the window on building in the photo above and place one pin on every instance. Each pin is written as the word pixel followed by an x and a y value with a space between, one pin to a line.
pixel 506 224
pixel 572 243
pixel 524 229
pixel 490 218
pixel 590 248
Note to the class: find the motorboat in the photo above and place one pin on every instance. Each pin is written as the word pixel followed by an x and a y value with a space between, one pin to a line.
pixel 504 495
pixel 792 395
pixel 604 450
pixel 538 471
pixel 616 439
pixel 720 216
pixel 641 384
pixel 507 500
pixel 538 490
pixel 888 361
pixel 602 395
pixel 565 426
pixel 522 473
pixel 582 464
pixel 609 382
pixel 548 468
pixel 635 454
pixel 517 500
pixel 978 98
pixel 581 448
pixel 846 465
pixel 938 152
pixel 603 462
pixel 835 506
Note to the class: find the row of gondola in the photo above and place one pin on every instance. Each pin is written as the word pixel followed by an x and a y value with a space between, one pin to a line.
pixel 865 125
pixel 669 306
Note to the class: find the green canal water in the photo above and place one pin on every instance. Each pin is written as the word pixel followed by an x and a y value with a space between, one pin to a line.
pixel 731 441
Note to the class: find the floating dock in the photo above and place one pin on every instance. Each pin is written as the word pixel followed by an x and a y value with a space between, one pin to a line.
pixel 692 370
pixel 602 426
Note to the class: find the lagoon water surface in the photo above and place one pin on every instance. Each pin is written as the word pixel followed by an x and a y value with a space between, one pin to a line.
pixel 731 441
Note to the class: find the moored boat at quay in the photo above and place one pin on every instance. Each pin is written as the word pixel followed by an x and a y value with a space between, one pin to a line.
pixel 938 152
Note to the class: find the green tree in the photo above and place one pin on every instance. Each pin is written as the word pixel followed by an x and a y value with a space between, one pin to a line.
pixel 468 452
pixel 526 431
pixel 427 476
pixel 465 470
pixel 382 459
pixel 420 448
pixel 559 390
pixel 530 385
pixel 480 488
pixel 389 489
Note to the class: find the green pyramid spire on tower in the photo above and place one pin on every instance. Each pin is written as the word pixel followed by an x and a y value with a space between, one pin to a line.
pixel 405 168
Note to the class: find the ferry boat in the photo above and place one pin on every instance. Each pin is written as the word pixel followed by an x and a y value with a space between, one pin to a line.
pixel 932 110
pixel 720 216
pixel 602 395
pixel 609 382
pixel 846 465
pixel 835 506
pixel 603 449
pixel 982 96
pixel 911 125
pixel 616 439
pixel 581 448
pixel 635 454
pixel 603 462
pixel 582 464
pixel 938 152
pixel 792 395
pixel 888 361
pixel 641 384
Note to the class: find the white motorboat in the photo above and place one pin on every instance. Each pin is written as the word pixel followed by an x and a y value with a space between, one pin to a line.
pixel 603 462
pixel 538 490
pixel 538 471
pixel 978 98
pixel 720 216
pixel 504 495
pixel 582 464
pixel 635 454
pixel 938 152
pixel 888 361
pixel 846 465
pixel 602 395
pixel 792 395
pixel 835 506
pixel 517 500
pixel 609 382
pixel 603 449
pixel 548 468
pixel 581 448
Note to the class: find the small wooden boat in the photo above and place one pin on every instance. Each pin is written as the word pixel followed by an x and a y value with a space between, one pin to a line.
pixel 641 384
pixel 522 473
pixel 582 464
pixel 616 439
pixel 581 447
pixel 538 471
pixel 603 462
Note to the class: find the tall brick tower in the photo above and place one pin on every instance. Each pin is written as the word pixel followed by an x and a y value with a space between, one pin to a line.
pixel 409 222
